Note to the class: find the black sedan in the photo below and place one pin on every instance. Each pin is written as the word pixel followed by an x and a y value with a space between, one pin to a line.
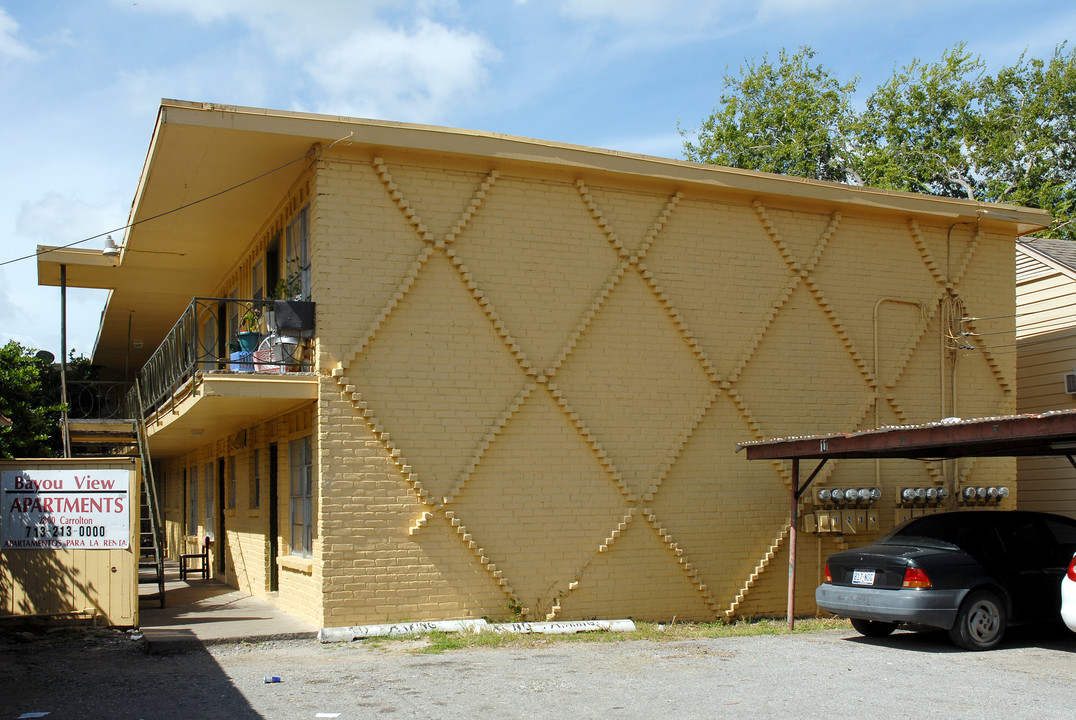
pixel 971 573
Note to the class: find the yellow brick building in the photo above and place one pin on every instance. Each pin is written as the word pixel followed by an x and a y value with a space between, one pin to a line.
pixel 531 363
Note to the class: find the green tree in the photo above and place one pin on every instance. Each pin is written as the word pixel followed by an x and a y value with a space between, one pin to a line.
pixel 792 118
pixel 943 128
pixel 919 127
pixel 1027 146
pixel 29 397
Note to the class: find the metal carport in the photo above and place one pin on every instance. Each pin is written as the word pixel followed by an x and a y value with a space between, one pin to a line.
pixel 1052 433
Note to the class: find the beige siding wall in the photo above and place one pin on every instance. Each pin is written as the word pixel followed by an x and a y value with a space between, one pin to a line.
pixel 1047 351
pixel 534 380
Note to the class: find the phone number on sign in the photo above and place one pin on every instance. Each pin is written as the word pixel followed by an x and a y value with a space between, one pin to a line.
pixel 59 531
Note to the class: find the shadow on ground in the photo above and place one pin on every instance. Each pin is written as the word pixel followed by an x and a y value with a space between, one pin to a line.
pixel 84 673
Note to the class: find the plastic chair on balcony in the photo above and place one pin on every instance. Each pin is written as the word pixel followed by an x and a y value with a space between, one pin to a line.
pixel 196 563
pixel 263 357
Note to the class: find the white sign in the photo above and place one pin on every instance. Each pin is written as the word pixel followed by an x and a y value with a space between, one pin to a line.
pixel 57 509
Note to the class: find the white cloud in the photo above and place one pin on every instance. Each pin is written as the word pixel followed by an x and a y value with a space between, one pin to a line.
pixel 55 219
pixel 652 14
pixel 721 17
pixel 376 58
pixel 9 44
pixel 32 314
pixel 417 73
pixel 628 12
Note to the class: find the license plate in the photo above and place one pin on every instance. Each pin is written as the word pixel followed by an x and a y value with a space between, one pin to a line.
pixel 862 577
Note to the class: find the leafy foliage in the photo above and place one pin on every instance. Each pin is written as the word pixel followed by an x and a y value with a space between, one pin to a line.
pixel 918 127
pixel 1027 148
pixel 943 128
pixel 30 398
pixel 791 118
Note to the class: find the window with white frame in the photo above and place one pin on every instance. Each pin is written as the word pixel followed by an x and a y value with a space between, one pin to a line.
pixel 257 280
pixel 298 250
pixel 300 463
pixel 210 504
pixel 192 501
pixel 255 497
pixel 231 482
pixel 207 343
pixel 233 313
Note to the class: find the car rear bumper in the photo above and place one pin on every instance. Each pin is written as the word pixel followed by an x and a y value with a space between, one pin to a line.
pixel 1068 603
pixel 933 608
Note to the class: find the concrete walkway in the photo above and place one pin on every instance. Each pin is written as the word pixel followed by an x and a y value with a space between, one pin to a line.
pixel 200 612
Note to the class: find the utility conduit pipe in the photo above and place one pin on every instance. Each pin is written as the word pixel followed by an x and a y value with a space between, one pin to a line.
pixel 877 372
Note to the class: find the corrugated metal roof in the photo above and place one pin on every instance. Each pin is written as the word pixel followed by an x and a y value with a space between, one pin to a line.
pixel 1051 433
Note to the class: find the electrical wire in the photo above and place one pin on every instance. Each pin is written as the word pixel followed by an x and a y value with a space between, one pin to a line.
pixel 313 151
pixel 1036 327
pixel 1013 349
pixel 1017 314
pixel 1025 344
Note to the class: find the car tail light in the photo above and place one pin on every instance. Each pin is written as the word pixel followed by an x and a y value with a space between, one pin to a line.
pixel 1071 573
pixel 829 577
pixel 915 578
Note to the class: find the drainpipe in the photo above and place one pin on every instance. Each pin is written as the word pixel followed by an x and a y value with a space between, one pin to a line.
pixel 877 370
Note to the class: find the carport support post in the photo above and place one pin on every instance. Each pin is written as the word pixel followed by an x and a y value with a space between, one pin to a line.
pixel 65 434
pixel 793 519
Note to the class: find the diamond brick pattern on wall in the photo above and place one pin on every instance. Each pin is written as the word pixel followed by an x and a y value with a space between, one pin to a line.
pixel 563 369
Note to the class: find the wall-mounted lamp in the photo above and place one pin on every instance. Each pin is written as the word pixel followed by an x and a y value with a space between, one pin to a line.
pixel 112 250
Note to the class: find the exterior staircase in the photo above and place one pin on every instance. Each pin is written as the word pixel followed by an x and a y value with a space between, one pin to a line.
pixel 126 437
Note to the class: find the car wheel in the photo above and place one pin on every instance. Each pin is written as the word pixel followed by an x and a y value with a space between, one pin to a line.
pixel 873 628
pixel 980 623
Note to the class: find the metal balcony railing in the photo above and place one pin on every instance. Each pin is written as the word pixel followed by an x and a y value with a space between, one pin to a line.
pixel 98 400
pixel 220 335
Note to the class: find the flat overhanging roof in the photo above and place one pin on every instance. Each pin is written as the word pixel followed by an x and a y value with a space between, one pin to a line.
pixel 1052 433
pixel 215 174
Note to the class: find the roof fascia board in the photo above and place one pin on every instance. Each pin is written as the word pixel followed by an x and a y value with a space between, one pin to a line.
pixel 151 153
pixel 379 133
pixel 94 269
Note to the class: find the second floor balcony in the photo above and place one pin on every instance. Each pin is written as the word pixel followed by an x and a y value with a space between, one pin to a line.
pixel 226 364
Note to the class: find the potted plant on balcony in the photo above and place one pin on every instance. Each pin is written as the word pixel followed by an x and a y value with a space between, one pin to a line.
pixel 250 333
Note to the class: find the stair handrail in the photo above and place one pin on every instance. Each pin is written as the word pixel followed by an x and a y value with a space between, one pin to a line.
pixel 151 494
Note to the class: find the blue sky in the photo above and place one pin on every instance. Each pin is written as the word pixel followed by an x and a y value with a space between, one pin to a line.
pixel 82 80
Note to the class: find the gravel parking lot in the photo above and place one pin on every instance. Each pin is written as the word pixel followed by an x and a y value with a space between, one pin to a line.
pixel 832 674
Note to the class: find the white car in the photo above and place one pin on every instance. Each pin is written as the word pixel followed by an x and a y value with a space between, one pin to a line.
pixel 1068 596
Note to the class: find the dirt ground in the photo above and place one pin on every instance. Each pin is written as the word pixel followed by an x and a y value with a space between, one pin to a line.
pixel 834 673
